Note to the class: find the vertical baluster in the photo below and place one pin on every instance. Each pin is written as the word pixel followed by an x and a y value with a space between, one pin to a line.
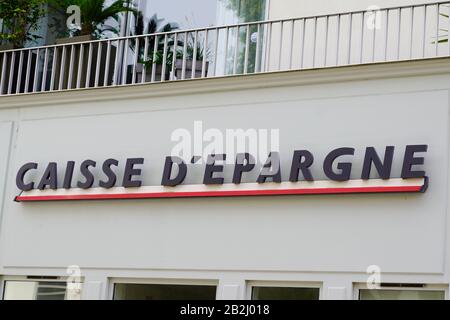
pixel 424 30
pixel 36 69
pixel 194 55
pixel 19 73
pixel 303 43
pixel 448 29
pixel 27 75
pixel 236 50
pixel 326 41
pixel 174 55
pixel 362 37
pixel 399 32
pixel 53 75
pixel 62 68
pixel 107 63
pixel 437 29
pixel 155 52
pixel 71 64
pixel 291 48
pixel 376 13
pixel 247 44
pixel 216 49
pixel 338 38
pixel 314 42
pixel 386 36
pixel 183 67
pixel 11 71
pixel 144 67
pixel 116 75
pixel 135 60
pixel 269 44
pixel 89 67
pixel 280 46
pixel 164 62
pixel 258 48
pixel 125 62
pixel 80 65
pixel 44 72
pixel 350 38
pixel 98 64
pixel 205 50
pixel 3 75
pixel 412 31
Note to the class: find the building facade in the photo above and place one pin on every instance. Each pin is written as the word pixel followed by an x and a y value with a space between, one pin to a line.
pixel 361 213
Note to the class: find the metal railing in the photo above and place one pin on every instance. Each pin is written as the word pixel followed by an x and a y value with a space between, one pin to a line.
pixel 381 35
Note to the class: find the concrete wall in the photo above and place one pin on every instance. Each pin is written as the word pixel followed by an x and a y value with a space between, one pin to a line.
pixel 329 240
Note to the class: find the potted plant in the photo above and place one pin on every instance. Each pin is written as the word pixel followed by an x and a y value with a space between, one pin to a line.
pixel 152 57
pixel 200 53
pixel 94 17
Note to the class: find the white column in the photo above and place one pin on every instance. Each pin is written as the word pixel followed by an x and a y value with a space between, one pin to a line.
pixel 231 289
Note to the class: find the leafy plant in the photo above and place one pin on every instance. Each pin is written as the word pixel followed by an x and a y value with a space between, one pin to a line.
pixel 154 25
pixel 201 51
pixel 20 20
pixel 94 15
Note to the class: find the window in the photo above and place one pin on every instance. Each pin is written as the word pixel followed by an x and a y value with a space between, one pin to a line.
pixel 132 291
pixel 39 290
pixel 280 293
pixel 402 292
pixel 266 290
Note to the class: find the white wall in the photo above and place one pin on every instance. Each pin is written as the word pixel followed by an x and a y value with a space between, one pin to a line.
pixel 325 239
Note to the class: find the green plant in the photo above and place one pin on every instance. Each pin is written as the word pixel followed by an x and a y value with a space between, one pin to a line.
pixel 94 15
pixel 20 20
pixel 154 25
pixel 201 51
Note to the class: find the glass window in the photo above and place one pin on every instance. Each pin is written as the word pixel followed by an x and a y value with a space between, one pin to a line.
pixel 129 291
pixel 38 290
pixel 285 293
pixel 392 294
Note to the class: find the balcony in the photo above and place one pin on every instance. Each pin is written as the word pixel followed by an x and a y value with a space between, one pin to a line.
pixel 344 39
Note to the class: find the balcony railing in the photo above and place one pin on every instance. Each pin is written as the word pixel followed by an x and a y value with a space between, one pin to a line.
pixel 360 37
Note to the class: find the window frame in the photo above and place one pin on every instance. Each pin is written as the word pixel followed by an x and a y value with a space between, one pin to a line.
pixel 426 287
pixel 281 284
pixel 160 281
pixel 59 279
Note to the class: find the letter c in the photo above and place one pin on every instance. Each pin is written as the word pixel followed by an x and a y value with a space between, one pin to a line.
pixel 21 174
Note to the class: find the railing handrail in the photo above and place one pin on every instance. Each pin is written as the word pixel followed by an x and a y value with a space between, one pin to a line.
pixel 243 24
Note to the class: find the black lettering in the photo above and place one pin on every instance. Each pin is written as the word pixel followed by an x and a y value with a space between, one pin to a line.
pixel 67 184
pixel 50 177
pixel 383 168
pixel 130 171
pixel 211 168
pixel 21 175
pixel 240 167
pixel 89 177
pixel 410 160
pixel 345 167
pixel 106 168
pixel 167 173
pixel 302 160
pixel 271 169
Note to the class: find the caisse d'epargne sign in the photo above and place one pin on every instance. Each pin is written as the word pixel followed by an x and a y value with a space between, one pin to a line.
pixel 49 186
